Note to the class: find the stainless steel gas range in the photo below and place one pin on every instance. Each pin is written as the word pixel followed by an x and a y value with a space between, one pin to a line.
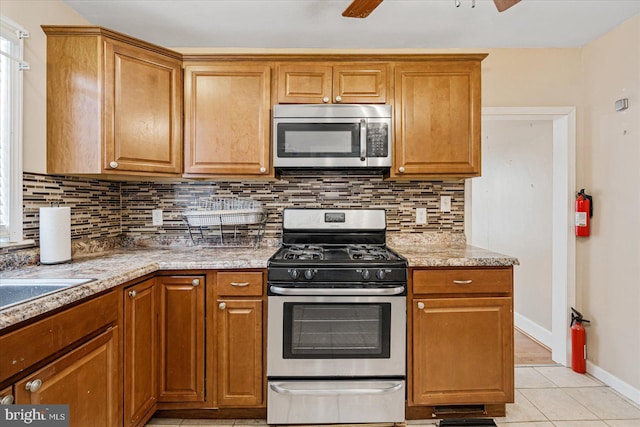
pixel 336 320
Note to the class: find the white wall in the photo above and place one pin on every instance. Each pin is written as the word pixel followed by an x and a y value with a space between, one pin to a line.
pixel 512 205
pixel 608 262
pixel 30 15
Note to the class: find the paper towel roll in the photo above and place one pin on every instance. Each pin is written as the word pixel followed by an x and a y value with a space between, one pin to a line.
pixel 55 235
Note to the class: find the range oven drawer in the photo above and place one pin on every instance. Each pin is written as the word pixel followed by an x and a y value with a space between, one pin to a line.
pixel 333 402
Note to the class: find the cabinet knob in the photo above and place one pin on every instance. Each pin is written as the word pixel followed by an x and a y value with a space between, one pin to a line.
pixel 263 169
pixel 420 305
pixel 401 169
pixel 325 99
pixel 132 294
pixel 113 165
pixel 338 98
pixel 6 400
pixel 222 305
pixel 195 282
pixel 33 386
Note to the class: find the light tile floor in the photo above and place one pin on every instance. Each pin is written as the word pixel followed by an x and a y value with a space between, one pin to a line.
pixel 546 396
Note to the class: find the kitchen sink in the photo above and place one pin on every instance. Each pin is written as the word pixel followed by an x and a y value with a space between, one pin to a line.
pixel 14 291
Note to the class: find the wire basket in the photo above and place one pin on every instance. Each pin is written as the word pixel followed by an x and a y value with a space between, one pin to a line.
pixel 213 218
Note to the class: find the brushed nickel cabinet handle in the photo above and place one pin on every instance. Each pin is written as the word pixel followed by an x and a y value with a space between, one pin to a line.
pixel 113 165
pixel 325 99
pixel 463 282
pixel 6 400
pixel 195 282
pixel 132 294
pixel 338 98
pixel 420 305
pixel 33 386
pixel 222 305
pixel 263 169
pixel 239 284
pixel 401 169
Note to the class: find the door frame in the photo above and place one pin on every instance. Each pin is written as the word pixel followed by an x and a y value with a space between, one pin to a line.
pixel 563 270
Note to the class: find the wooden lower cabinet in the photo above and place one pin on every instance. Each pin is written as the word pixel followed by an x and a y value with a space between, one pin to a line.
pixel 240 376
pixel 240 307
pixel 86 379
pixel 181 320
pixel 140 352
pixel 461 343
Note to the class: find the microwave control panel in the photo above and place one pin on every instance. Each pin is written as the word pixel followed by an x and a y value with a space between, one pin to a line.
pixel 377 140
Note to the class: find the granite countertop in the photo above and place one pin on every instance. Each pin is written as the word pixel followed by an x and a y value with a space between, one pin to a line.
pixel 113 268
pixel 452 256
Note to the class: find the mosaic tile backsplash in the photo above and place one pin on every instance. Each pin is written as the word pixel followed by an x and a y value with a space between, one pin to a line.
pixel 111 210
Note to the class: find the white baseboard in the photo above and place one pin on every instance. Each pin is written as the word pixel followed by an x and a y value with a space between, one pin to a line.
pixel 535 331
pixel 627 390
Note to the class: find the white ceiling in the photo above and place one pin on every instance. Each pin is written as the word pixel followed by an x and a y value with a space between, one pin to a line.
pixel 395 24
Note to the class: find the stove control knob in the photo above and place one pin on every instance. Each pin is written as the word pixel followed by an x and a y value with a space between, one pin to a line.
pixel 294 273
pixel 309 273
pixel 366 275
pixel 380 274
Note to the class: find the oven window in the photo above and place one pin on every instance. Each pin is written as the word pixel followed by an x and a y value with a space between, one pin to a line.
pixel 336 330
pixel 318 139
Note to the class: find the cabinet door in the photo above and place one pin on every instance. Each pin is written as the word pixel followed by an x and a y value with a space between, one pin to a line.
pixel 304 83
pixel 86 379
pixel 462 351
pixel 140 351
pixel 181 319
pixel 240 375
pixel 143 110
pixel 227 120
pixel 360 83
pixel 437 119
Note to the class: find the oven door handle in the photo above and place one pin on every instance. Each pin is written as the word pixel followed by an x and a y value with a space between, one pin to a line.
pixel 392 388
pixel 279 290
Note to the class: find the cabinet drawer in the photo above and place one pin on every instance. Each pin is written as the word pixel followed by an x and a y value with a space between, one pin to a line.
pixel 26 346
pixel 237 283
pixel 462 281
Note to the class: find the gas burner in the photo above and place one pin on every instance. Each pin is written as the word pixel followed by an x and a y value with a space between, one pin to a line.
pixel 368 253
pixel 303 252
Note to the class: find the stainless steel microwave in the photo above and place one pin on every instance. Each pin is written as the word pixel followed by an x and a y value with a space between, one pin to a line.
pixel 332 136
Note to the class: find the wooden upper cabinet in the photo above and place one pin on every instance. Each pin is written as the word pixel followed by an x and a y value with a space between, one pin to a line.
pixel 114 104
pixel 143 110
pixel 437 119
pixel 318 83
pixel 227 119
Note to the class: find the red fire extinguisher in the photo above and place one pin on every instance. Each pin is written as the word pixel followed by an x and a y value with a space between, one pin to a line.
pixel 584 212
pixel 578 342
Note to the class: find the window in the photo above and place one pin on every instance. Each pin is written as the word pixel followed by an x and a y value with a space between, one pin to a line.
pixel 11 66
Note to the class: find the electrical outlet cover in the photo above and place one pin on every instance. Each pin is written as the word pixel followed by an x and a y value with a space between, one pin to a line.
pixel 421 216
pixel 445 203
pixel 156 216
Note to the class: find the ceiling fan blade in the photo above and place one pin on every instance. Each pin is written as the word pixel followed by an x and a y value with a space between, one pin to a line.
pixel 503 5
pixel 360 8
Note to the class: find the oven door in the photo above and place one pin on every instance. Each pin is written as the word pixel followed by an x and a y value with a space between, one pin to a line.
pixel 334 336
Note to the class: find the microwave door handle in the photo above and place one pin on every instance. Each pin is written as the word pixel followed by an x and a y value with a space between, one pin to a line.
pixel 363 140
